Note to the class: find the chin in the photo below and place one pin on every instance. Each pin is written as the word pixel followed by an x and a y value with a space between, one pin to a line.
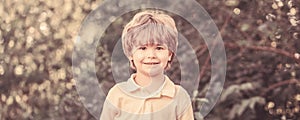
pixel 155 72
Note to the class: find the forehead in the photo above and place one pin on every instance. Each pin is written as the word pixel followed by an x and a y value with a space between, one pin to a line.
pixel 153 44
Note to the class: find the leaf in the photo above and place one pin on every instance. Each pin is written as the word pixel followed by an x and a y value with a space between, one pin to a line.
pixel 233 111
pixel 198 116
pixel 202 100
pixel 243 107
pixel 235 89
pixel 228 91
pixel 238 109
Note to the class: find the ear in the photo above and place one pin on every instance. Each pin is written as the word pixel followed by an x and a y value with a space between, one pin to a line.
pixel 131 63
pixel 130 58
pixel 170 56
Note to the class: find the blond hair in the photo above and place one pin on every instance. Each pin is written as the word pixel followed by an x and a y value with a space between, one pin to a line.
pixel 150 27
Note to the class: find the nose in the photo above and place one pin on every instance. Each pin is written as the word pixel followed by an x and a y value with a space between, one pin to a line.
pixel 151 53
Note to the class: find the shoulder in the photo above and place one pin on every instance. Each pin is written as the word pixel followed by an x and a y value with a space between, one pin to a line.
pixel 183 101
pixel 181 92
pixel 113 92
pixel 182 98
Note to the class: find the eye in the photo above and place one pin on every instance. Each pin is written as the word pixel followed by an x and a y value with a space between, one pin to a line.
pixel 142 48
pixel 160 48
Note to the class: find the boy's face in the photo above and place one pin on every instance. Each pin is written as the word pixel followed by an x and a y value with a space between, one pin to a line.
pixel 151 59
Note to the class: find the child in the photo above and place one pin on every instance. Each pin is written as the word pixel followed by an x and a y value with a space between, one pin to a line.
pixel 149 41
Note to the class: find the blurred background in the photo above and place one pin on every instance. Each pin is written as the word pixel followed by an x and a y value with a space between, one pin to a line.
pixel 261 37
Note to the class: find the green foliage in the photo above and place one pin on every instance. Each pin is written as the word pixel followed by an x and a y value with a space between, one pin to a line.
pixel 239 108
pixel 236 89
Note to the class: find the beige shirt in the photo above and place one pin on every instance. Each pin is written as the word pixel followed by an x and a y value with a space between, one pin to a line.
pixel 161 100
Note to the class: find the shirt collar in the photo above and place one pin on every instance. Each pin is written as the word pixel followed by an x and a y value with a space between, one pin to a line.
pixel 164 87
pixel 168 89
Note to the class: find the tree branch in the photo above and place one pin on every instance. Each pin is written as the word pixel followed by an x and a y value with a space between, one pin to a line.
pixel 279 84
pixel 263 48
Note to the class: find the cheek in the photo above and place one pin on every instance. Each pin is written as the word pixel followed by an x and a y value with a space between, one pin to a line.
pixel 138 57
pixel 164 58
pixel 164 55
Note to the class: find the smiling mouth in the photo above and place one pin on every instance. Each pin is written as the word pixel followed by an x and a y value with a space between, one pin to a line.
pixel 151 63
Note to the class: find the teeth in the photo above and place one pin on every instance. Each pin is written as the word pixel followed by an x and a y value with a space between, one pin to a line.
pixel 151 63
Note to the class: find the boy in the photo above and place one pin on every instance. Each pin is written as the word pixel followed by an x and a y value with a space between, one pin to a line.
pixel 149 41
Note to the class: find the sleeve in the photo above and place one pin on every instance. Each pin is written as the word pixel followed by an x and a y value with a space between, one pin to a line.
pixel 185 109
pixel 188 114
pixel 109 111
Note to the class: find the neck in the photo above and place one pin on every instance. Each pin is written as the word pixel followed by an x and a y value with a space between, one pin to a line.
pixel 146 79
